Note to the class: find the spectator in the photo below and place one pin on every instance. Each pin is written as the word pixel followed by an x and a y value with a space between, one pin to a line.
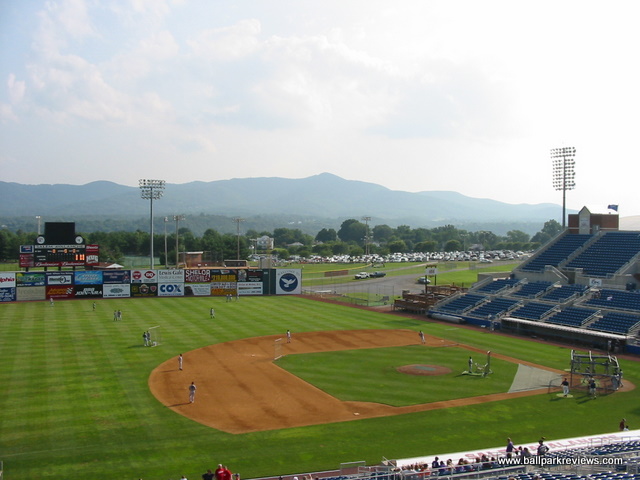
pixel 542 448
pixel 219 472
pixel 510 448
pixel 208 476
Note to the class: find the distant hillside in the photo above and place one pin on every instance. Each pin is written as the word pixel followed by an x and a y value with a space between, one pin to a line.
pixel 323 199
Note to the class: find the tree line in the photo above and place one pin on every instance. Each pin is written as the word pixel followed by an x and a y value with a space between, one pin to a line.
pixel 353 238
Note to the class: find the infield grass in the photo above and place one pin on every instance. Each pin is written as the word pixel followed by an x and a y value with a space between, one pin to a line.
pixel 75 401
pixel 373 374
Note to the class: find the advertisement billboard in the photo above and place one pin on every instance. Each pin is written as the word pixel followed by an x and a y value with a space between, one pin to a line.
pixel 59 278
pixel 7 294
pixel 88 291
pixel 116 276
pixel 144 276
pixel 30 279
pixel 250 288
pixel 288 281
pixel 60 291
pixel 170 276
pixel 224 282
pixel 171 289
pixel 197 289
pixel 197 275
pixel 88 277
pixel 7 279
pixel 92 255
pixel 116 290
pixel 28 294
pixel 144 289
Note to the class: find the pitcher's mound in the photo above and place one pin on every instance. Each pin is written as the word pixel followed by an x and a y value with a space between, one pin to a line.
pixel 424 370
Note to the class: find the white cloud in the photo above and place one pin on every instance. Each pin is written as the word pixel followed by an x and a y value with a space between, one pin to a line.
pixel 7 114
pixel 16 89
pixel 228 43
pixel 413 95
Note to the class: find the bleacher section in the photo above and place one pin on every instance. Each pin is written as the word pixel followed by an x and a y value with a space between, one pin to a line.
pixel 462 304
pixel 608 254
pixel 557 252
pixel 497 286
pixel 532 290
pixel 618 299
pixel 616 322
pixel 572 316
pixel 568 459
pixel 563 293
pixel 494 308
pixel 590 297
pixel 533 311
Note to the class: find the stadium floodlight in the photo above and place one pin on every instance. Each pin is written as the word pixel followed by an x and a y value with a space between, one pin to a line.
pixel 563 173
pixel 166 262
pixel 151 190
pixel 238 220
pixel 366 234
pixel 177 218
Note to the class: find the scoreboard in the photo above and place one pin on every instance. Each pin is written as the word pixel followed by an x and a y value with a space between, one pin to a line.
pixel 58 255
pixel 59 246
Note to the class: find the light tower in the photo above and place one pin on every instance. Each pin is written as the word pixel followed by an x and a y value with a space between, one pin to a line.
pixel 366 234
pixel 151 190
pixel 238 220
pixel 563 174
pixel 177 219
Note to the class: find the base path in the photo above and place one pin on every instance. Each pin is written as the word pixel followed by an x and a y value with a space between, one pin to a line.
pixel 240 389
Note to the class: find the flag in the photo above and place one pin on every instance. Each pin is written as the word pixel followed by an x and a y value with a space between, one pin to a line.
pixel 613 207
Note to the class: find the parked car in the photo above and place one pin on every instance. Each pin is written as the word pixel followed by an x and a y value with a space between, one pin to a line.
pixel 377 274
pixel 362 275
pixel 424 281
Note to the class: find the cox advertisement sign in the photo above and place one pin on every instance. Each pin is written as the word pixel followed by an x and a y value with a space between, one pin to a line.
pixel 144 276
pixel 288 281
pixel 171 289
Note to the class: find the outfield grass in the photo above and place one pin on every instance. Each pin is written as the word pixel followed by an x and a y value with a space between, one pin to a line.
pixel 75 401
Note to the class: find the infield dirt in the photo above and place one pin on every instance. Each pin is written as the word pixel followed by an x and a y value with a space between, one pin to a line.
pixel 241 390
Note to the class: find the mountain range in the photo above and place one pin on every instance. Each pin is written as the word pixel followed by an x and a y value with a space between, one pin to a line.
pixel 312 203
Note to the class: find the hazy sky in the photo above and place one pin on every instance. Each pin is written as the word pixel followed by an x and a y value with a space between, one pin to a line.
pixel 416 95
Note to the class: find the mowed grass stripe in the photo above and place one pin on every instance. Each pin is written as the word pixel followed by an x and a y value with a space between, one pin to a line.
pixel 126 433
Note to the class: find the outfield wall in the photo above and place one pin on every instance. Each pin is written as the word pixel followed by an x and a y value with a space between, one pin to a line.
pixel 67 285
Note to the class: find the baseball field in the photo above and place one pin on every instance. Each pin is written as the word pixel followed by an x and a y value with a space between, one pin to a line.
pixel 81 395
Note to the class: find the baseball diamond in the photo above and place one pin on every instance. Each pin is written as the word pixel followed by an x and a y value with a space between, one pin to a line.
pixel 259 395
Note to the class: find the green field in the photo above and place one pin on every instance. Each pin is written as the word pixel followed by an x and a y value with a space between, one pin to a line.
pixel 75 401
pixel 373 376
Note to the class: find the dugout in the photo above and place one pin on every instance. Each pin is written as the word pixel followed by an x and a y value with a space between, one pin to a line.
pixel 563 333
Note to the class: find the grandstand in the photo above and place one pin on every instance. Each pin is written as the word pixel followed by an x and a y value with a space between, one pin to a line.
pixel 613 456
pixel 581 287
